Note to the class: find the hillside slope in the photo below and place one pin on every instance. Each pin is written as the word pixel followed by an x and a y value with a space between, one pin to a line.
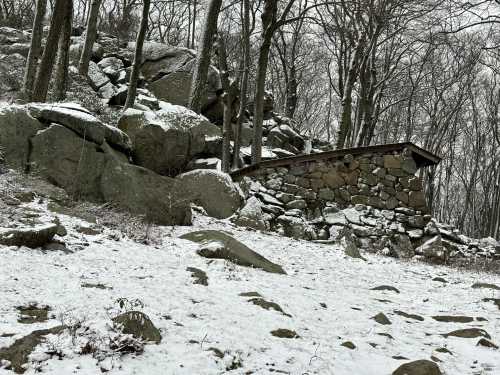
pixel 326 298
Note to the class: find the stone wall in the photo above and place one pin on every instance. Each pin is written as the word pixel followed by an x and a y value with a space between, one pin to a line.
pixel 381 181
pixel 375 198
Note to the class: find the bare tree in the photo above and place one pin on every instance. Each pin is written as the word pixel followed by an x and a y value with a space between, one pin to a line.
pixel 203 58
pixel 134 76
pixel 35 49
pixel 44 74
pixel 90 37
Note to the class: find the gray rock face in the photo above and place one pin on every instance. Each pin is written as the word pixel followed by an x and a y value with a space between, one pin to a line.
pixel 138 325
pixel 219 245
pixel 213 190
pixel 139 190
pixel 68 161
pixel 165 141
pixel 17 127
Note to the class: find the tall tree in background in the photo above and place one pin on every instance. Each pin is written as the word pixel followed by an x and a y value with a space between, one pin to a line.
pixel 245 26
pixel 269 26
pixel 203 58
pixel 61 74
pixel 44 74
pixel 90 37
pixel 35 50
pixel 134 75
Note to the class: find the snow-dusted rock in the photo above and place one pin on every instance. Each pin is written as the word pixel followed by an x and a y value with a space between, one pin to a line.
pixel 219 245
pixel 433 249
pixel 251 215
pixel 213 190
pixel 138 324
pixel 166 140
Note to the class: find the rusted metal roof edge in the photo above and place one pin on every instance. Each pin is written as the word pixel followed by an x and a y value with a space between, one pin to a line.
pixel 426 158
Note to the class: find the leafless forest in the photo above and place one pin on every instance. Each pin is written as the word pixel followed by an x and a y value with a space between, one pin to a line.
pixel 351 73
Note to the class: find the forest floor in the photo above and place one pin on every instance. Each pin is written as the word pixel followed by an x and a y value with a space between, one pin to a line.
pixel 326 298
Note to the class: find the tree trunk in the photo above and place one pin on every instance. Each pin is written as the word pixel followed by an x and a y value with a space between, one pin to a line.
pixel 193 30
pixel 90 37
pixel 227 98
pixel 291 92
pixel 35 49
pixel 61 75
pixel 203 58
pixel 268 23
pixel 243 83
pixel 134 75
pixel 345 118
pixel 44 74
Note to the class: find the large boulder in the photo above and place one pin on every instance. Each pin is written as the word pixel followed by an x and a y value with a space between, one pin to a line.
pixel 159 59
pixel 82 122
pixel 165 141
pixel 68 161
pixel 213 190
pixel 17 127
pixel 75 51
pixel 220 245
pixel 433 250
pixel 160 199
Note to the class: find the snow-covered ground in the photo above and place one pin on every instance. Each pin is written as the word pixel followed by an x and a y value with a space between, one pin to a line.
pixel 326 293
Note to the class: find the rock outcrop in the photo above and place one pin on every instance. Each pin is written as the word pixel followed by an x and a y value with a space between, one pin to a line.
pixel 74 150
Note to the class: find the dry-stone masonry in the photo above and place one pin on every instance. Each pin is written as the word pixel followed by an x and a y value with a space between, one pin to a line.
pixel 373 194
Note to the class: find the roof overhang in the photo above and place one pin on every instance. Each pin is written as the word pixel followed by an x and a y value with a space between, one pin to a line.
pixel 422 157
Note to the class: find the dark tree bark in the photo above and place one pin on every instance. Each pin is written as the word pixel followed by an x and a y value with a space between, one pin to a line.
pixel 244 82
pixel 134 76
pixel 90 38
pixel 44 74
pixel 61 74
pixel 268 24
pixel 35 50
pixel 203 58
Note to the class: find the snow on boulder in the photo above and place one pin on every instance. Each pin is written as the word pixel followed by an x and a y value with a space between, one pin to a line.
pixel 138 324
pixel 251 215
pixel 213 190
pixel 82 122
pixel 219 245
pixel 166 140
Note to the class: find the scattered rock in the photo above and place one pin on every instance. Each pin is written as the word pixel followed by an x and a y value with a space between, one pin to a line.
pixel 386 287
pixel 33 314
pixel 268 305
pixel 250 294
pixel 29 236
pixel 96 286
pixel 409 316
pixel 486 343
pixel 381 318
pixel 137 324
pixel 468 333
pixel 349 345
pixel 440 279
pixel 453 319
pixel 219 245
pixel 420 367
pixel 485 286
pixel 496 301
pixel 444 350
pixel 284 333
pixel 199 276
